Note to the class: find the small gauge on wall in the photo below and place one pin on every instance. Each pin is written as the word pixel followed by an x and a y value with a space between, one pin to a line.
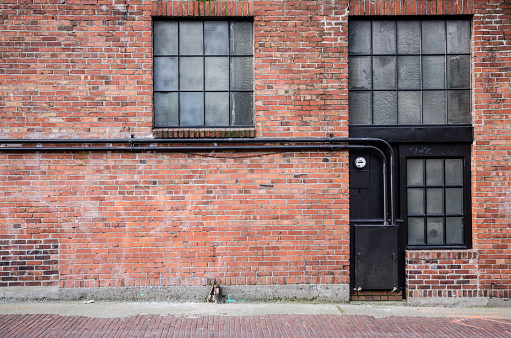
pixel 360 162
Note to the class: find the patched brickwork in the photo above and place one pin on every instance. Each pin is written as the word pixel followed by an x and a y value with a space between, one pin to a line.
pixel 443 273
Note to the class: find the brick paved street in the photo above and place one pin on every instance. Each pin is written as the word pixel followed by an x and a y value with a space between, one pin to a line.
pixel 275 325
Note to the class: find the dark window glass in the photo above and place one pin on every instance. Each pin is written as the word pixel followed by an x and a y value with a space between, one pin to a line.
pixel 417 70
pixel 435 201
pixel 203 73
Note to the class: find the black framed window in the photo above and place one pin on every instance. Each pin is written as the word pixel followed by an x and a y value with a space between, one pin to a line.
pixel 203 73
pixel 436 195
pixel 409 72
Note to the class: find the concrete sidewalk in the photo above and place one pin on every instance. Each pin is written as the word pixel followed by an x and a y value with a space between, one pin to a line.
pixel 163 319
pixel 103 309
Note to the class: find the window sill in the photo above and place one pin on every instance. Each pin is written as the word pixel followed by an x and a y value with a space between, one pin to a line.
pixel 204 132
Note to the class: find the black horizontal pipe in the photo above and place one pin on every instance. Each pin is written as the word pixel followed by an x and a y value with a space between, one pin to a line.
pixel 279 144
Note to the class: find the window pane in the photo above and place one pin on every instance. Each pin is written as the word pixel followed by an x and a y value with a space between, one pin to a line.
pixel 434 107
pixel 458 71
pixel 359 76
pixel 190 38
pixel 415 231
pixel 458 36
pixel 435 230
pixel 385 107
pixel 216 38
pixel 242 71
pixel 415 172
pixel 191 73
pixel 191 109
pixel 165 74
pixel 384 37
pixel 166 109
pixel 409 72
pixel 217 109
pixel 433 72
pixel 408 37
pixel 454 230
pixel 415 201
pixel 454 201
pixel 242 109
pixel 409 107
pixel 359 39
pixel 217 73
pixel 360 107
pixel 384 72
pixel 433 37
pixel 434 172
pixel 241 38
pixel 458 103
pixel 453 171
pixel 435 201
pixel 165 38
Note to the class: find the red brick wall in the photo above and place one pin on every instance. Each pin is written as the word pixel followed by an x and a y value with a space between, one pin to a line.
pixel 78 69
pixel 83 69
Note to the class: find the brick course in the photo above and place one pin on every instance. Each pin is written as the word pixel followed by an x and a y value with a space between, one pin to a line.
pixel 83 69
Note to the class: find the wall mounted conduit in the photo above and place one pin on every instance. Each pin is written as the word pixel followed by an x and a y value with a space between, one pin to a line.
pixel 221 144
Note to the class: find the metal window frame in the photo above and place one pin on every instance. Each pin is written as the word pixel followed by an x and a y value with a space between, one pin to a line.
pixel 229 56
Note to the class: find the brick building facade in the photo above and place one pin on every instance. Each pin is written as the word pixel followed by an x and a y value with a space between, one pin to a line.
pixel 266 104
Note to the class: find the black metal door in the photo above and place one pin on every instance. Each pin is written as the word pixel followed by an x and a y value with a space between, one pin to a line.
pixel 374 244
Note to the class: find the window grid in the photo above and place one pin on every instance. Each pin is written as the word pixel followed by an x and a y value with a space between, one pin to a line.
pixel 203 56
pixel 396 55
pixel 422 192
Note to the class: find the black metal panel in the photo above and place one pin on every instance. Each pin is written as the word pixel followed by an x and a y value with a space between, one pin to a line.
pixel 366 187
pixel 376 258
pixel 419 133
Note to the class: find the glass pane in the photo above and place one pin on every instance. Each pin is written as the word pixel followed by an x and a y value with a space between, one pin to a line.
pixel 434 172
pixel 360 107
pixel 415 172
pixel 242 73
pixel 458 106
pixel 409 72
pixel 433 72
pixel 190 38
pixel 385 108
pixel 408 37
pixel 166 109
pixel 458 71
pixel 359 75
pixel 384 37
pixel 165 74
pixel 217 73
pixel 415 201
pixel 435 230
pixel 242 109
pixel 359 39
pixel 216 38
pixel 165 38
pixel 191 109
pixel 454 230
pixel 454 201
pixel 434 107
pixel 409 107
pixel 384 72
pixel 217 109
pixel 241 38
pixel 433 37
pixel 453 171
pixel 416 231
pixel 435 201
pixel 458 36
pixel 191 73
